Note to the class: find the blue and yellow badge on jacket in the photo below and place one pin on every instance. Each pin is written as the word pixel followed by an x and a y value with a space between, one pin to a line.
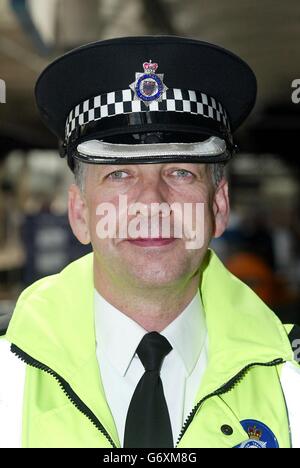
pixel 260 435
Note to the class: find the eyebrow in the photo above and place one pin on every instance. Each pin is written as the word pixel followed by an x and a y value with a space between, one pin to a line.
pixel 200 167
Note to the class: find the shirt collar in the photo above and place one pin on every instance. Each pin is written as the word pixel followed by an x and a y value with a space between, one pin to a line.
pixel 186 333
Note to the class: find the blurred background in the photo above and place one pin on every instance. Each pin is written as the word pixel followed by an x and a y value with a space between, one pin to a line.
pixel 262 243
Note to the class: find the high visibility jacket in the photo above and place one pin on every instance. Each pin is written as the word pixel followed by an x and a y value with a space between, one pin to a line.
pixel 252 379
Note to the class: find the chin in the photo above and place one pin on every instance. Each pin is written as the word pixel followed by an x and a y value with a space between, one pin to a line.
pixel 154 281
pixel 157 275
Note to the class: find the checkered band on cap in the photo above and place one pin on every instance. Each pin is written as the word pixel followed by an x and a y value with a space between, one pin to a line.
pixel 124 102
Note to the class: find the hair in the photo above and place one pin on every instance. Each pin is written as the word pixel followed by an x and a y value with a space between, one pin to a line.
pixel 79 173
pixel 217 172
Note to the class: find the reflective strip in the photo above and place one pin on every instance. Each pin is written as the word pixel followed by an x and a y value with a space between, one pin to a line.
pixel 213 146
pixel 12 373
pixel 290 382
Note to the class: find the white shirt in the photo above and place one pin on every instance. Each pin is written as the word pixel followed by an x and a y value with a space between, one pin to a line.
pixel 118 337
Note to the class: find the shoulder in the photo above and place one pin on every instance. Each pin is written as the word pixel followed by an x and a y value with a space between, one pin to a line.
pixel 72 274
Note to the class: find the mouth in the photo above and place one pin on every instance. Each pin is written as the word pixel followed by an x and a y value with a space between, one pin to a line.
pixel 152 241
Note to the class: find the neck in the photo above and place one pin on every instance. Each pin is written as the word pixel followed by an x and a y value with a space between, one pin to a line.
pixel 153 308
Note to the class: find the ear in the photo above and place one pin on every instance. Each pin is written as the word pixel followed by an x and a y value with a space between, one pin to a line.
pixel 221 208
pixel 78 214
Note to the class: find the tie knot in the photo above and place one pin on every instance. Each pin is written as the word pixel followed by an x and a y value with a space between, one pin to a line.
pixel 152 350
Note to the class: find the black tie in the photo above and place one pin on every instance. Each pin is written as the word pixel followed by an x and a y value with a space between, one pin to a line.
pixel 148 422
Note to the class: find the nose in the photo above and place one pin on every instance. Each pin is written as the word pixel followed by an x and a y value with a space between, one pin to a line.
pixel 153 195
pixel 152 189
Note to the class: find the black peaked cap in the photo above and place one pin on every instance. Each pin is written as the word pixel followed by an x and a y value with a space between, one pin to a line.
pixel 110 65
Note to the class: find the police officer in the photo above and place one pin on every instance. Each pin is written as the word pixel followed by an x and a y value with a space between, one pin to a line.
pixel 149 341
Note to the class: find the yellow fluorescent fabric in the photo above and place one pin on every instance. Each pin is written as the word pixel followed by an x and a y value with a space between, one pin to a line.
pixel 53 324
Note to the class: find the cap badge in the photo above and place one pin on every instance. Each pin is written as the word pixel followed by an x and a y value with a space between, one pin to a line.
pixel 148 86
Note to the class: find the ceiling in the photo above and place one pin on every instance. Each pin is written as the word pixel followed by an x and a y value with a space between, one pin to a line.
pixel 33 32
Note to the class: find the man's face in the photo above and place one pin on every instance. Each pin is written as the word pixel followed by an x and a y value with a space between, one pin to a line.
pixel 149 261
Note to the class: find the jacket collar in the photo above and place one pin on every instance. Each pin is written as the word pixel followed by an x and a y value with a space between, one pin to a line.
pixel 54 323
pixel 242 330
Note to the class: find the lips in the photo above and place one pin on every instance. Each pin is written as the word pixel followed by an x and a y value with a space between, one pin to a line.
pixel 152 241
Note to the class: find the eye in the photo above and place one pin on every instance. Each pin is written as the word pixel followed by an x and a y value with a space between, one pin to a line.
pixel 182 173
pixel 118 175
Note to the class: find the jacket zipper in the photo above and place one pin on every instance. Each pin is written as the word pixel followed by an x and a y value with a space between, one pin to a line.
pixel 224 389
pixel 80 405
pixel 72 396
